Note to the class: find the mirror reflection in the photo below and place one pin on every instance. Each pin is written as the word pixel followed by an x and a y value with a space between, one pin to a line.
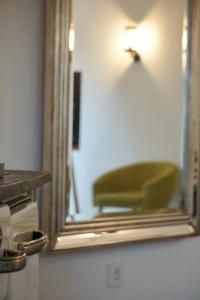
pixel 127 125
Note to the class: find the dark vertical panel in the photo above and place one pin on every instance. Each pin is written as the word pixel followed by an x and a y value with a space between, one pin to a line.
pixel 76 109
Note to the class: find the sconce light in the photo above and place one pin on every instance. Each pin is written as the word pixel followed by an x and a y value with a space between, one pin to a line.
pixel 71 39
pixel 131 36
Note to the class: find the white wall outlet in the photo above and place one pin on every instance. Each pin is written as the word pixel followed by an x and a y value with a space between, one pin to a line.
pixel 114 275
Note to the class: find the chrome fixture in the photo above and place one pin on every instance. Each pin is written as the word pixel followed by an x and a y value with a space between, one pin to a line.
pixel 31 242
pixel 12 261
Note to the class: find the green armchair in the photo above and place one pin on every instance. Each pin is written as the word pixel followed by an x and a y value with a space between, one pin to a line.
pixel 144 186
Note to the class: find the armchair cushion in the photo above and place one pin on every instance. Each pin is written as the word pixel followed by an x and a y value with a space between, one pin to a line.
pixel 121 199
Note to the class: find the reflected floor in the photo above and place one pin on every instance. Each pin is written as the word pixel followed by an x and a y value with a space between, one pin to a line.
pixel 116 212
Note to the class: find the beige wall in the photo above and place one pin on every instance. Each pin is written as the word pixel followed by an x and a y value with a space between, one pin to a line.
pixel 154 271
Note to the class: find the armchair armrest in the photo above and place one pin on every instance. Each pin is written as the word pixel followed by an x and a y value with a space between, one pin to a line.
pixel 159 190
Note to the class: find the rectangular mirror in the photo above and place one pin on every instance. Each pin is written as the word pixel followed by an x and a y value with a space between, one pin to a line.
pixel 121 128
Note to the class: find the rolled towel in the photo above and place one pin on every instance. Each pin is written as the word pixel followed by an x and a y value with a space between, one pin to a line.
pixel 5 222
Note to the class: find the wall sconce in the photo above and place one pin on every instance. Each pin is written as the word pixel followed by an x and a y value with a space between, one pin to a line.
pixel 131 37
pixel 71 39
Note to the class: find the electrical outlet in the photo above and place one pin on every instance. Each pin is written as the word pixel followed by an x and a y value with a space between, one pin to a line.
pixel 114 274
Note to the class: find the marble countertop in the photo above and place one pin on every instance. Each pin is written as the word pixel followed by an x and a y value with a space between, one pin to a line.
pixel 18 182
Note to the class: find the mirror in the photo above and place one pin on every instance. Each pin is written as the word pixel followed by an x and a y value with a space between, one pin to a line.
pixel 121 122
pixel 128 115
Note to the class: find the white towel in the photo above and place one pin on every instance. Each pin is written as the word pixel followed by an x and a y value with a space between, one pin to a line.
pixel 24 220
pixel 23 285
pixel 5 221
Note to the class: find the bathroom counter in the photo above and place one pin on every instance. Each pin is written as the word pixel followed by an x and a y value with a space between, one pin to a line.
pixel 19 182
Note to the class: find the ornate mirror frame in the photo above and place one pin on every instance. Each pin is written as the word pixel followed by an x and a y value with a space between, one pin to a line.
pixel 119 230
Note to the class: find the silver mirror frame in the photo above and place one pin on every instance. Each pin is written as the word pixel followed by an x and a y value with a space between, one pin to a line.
pixel 104 232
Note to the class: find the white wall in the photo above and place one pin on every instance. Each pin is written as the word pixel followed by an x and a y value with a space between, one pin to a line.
pixel 129 112
pixel 21 81
pixel 155 271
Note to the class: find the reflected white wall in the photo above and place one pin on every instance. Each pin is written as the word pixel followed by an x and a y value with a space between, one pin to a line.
pixel 129 112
